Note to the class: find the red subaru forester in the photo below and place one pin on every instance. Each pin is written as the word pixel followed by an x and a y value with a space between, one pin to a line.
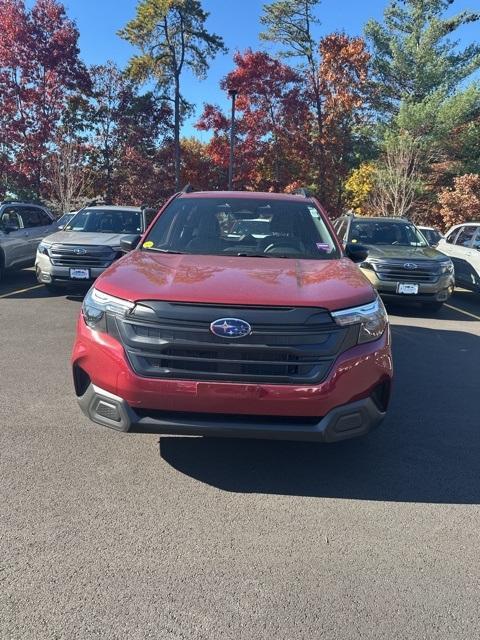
pixel 236 314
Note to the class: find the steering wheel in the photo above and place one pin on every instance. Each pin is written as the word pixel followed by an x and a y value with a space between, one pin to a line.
pixel 286 246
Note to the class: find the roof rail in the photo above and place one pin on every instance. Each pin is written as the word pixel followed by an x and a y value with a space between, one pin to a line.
pixel 36 203
pixel 302 191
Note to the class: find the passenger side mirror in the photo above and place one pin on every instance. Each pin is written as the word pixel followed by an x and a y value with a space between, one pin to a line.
pixel 356 252
pixel 129 243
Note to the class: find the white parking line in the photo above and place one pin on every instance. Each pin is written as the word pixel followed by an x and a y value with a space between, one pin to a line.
pixel 14 293
pixel 466 313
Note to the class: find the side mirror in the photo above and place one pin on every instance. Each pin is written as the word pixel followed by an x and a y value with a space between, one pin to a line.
pixel 356 252
pixel 129 243
pixel 8 228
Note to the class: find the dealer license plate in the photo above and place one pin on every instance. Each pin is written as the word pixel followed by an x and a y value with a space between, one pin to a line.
pixel 80 274
pixel 407 288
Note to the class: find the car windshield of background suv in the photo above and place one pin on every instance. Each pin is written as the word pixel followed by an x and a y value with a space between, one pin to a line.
pixel 209 226
pixel 106 221
pixel 386 233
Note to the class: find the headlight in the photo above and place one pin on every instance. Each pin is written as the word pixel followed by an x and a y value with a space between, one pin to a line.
pixel 96 304
pixel 372 319
pixel 366 265
pixel 43 248
pixel 447 266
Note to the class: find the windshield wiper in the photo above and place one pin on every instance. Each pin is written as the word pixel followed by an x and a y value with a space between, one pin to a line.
pixel 251 255
pixel 179 253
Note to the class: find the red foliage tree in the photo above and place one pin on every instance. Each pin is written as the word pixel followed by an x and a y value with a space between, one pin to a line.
pixel 39 70
pixel 278 141
pixel 462 202
pixel 272 126
pixel 344 86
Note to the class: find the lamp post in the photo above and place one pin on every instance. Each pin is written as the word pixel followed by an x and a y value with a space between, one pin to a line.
pixel 233 94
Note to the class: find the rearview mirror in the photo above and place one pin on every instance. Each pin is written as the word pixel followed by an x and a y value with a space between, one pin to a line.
pixel 356 252
pixel 129 243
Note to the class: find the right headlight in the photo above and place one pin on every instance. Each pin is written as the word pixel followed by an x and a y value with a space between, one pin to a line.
pixel 96 304
pixel 43 248
pixel 372 319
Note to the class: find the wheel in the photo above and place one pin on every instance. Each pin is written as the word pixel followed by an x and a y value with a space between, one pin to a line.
pixel 2 267
pixel 433 306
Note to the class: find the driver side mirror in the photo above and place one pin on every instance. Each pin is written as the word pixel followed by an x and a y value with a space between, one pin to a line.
pixel 129 243
pixel 8 228
pixel 356 252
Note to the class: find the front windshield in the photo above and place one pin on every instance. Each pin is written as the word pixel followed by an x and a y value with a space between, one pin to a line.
pixel 106 221
pixel 63 220
pixel 386 232
pixel 209 226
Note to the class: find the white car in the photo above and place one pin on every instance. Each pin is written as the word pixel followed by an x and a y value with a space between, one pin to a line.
pixel 462 245
pixel 432 235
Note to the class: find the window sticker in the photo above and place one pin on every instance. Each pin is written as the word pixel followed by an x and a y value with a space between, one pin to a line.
pixel 148 244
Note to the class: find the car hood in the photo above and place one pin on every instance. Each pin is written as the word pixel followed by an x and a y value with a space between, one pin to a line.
pixel 396 252
pixel 228 280
pixel 85 239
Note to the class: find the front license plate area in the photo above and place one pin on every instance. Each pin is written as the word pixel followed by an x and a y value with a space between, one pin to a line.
pixel 407 288
pixel 80 274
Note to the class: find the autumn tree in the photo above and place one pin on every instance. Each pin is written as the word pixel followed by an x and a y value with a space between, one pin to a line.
pixel 197 166
pixel 344 89
pixel 40 69
pixel 461 203
pixel 273 124
pixel 397 177
pixel 290 23
pixel 359 187
pixel 172 37
pixel 68 174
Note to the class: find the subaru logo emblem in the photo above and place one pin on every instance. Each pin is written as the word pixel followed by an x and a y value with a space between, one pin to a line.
pixel 230 328
pixel 410 265
pixel 80 252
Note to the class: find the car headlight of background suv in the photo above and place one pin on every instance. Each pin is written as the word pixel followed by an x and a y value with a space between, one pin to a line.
pixel 96 304
pixel 372 319
pixel 446 266
pixel 43 248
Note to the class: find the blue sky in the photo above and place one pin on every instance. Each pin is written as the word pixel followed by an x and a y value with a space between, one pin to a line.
pixel 237 21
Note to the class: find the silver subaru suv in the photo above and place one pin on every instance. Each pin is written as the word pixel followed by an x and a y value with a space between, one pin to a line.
pixel 22 227
pixel 88 244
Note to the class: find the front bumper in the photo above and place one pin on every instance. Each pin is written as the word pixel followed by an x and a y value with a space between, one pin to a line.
pixel 344 405
pixel 47 273
pixel 439 291
pixel 344 422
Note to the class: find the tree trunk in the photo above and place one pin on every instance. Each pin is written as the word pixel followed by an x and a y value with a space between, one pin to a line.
pixel 177 133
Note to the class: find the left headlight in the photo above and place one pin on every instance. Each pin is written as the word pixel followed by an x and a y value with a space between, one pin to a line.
pixel 372 319
pixel 43 248
pixel 96 304
pixel 447 266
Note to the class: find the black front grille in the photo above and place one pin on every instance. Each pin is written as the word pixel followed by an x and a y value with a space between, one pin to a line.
pixel 423 271
pixel 81 256
pixel 286 346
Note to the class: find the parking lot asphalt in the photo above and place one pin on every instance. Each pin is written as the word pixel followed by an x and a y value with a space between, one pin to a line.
pixel 132 536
